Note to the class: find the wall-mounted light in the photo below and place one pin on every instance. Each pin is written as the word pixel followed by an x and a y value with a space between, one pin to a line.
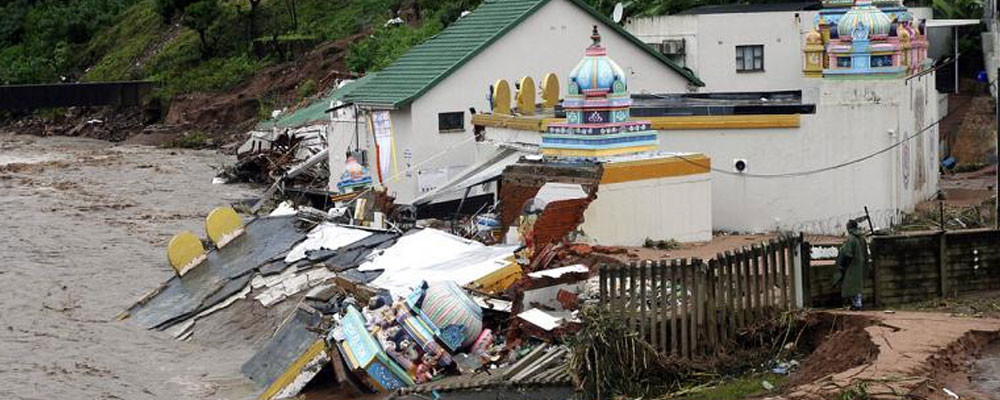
pixel 740 165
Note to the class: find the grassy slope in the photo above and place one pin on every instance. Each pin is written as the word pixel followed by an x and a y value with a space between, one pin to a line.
pixel 114 51
pixel 170 55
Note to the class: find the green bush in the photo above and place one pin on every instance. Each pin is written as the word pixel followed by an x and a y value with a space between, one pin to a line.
pixel 191 140
pixel 213 74
pixel 386 45
pixel 307 88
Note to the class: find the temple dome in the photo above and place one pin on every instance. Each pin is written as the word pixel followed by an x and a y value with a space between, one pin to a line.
pixel 814 37
pixel 863 12
pixel 597 73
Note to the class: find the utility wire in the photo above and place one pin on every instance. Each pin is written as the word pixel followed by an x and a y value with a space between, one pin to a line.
pixel 832 167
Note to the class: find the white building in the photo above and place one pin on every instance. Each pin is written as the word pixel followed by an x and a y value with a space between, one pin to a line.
pixel 842 140
pixel 769 37
pixel 420 105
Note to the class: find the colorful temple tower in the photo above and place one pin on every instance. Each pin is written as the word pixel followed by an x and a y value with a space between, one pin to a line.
pixel 597 112
pixel 865 40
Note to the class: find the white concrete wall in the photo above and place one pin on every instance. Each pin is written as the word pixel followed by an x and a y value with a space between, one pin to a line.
pixel 853 119
pixel 711 41
pixel 627 213
pixel 552 39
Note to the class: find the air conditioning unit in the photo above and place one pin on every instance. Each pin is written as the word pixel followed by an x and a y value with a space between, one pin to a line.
pixel 672 47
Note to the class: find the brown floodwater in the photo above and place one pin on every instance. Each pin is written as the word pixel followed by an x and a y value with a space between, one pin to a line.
pixel 83 231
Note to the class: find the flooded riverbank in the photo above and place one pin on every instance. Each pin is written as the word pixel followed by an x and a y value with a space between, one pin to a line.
pixel 84 228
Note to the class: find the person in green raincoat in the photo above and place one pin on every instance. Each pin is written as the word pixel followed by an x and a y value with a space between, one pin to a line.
pixel 853 262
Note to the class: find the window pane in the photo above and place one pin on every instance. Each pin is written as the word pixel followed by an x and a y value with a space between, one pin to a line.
pixel 451 121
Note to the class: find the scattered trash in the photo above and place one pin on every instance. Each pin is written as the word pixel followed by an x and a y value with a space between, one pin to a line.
pixel 284 208
pixel 950 393
pixel 767 385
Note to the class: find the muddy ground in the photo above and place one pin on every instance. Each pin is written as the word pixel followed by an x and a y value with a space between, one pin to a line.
pixel 83 231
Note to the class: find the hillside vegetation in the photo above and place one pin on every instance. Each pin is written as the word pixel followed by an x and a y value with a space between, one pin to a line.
pixel 203 45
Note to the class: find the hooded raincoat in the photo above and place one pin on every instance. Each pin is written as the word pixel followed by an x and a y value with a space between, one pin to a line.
pixel 853 259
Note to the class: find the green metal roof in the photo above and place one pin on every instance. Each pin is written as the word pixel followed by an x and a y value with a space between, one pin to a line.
pixel 315 111
pixel 428 63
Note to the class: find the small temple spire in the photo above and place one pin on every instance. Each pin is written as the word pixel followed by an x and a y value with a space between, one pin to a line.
pixel 596 37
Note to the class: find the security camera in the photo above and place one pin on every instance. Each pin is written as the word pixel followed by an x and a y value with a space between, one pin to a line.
pixel 740 165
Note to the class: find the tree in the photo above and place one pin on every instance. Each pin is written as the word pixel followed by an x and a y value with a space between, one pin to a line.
pixel 168 8
pixel 292 13
pixel 254 8
pixel 201 16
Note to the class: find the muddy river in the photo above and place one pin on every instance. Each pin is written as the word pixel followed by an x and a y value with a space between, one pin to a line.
pixel 83 232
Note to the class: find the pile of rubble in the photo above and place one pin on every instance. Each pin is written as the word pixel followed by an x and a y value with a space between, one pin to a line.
pixel 390 310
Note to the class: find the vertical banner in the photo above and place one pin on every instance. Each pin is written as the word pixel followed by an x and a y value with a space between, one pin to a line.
pixel 382 129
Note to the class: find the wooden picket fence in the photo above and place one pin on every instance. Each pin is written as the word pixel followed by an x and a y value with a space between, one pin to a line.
pixel 688 307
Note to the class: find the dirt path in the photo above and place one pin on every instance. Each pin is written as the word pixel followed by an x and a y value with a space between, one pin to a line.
pixel 83 228
pixel 919 353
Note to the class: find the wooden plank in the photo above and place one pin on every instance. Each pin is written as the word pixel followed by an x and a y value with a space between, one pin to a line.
pixel 661 271
pixel 724 311
pixel 684 296
pixel 711 296
pixel 767 275
pixel 793 247
pixel 783 273
pixel 674 308
pixel 652 306
pixel 773 288
pixel 731 293
pixel 698 295
pixel 672 275
pixel 743 281
pixel 603 284
pixel 754 279
pixel 622 292
pixel 805 259
pixel 632 292
pixel 643 300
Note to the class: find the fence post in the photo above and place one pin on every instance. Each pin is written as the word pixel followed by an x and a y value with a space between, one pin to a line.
pixel 603 285
pixel 776 275
pixel 783 272
pixel 622 291
pixel 732 292
pixel 712 296
pixel 722 274
pixel 674 349
pixel 662 271
pixel 803 260
pixel 643 323
pixel 744 279
pixel 768 259
pixel 685 323
pixel 632 291
pixel 755 295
